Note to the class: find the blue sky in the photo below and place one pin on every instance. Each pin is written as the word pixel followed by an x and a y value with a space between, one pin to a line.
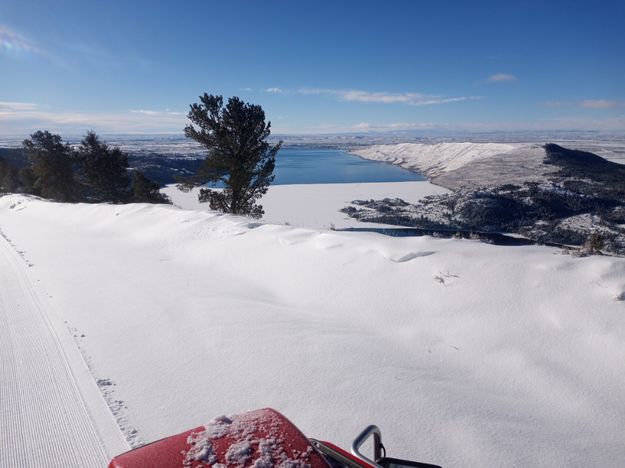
pixel 315 67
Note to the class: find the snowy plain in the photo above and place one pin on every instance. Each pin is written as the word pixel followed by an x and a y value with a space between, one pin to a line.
pixel 465 354
pixel 317 205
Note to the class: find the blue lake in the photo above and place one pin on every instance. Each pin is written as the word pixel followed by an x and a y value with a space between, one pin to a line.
pixel 328 166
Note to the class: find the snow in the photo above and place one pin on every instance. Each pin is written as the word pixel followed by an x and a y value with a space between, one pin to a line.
pixel 434 159
pixel 201 450
pixel 246 447
pixel 51 410
pixel 317 205
pixel 585 222
pixel 464 354
pixel 239 453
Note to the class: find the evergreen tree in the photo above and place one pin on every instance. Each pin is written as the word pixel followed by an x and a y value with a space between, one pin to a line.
pixel 104 170
pixel 10 182
pixel 146 191
pixel 52 165
pixel 238 154
pixel 3 171
pixel 7 183
pixel 27 180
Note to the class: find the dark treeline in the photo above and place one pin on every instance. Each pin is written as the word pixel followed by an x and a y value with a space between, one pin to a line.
pixel 93 172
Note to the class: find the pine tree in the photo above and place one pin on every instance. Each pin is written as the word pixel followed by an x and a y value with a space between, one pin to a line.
pixel 239 156
pixel 52 166
pixel 27 180
pixel 3 171
pixel 146 191
pixel 10 182
pixel 104 170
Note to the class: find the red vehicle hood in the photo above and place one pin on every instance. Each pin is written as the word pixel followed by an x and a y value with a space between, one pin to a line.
pixel 261 438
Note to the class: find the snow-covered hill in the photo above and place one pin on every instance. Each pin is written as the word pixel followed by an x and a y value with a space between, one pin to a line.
pixel 434 159
pixel 465 354
pixel 466 165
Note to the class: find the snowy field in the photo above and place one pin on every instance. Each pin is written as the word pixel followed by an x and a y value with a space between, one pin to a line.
pixel 317 205
pixel 465 354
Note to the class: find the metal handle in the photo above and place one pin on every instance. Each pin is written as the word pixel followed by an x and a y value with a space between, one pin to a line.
pixel 377 444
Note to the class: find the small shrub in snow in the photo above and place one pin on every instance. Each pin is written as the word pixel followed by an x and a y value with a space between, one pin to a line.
pixel 595 243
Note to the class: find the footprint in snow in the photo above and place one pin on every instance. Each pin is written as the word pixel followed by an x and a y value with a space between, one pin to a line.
pixel 445 278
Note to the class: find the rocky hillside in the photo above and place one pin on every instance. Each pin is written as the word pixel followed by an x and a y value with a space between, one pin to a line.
pixel 578 199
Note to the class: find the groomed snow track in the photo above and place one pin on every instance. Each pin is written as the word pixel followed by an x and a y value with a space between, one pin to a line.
pixel 44 420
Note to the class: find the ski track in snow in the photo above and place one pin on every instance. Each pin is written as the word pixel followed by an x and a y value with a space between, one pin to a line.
pixel 44 420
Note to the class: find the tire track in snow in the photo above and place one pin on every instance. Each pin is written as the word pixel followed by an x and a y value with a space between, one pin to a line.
pixel 43 418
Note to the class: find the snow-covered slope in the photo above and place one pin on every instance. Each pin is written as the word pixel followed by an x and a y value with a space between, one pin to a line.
pixel 465 354
pixel 434 159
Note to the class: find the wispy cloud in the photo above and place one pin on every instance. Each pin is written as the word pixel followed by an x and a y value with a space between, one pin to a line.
pixel 16 45
pixel 501 77
pixel 16 106
pixel 600 104
pixel 23 118
pixel 394 126
pixel 68 54
pixel 412 99
pixel 274 90
pixel 614 125
pixel 362 127
pixel 587 104
pixel 154 112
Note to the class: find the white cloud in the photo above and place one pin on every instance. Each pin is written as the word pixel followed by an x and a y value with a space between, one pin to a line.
pixel 24 118
pixel 599 104
pixel 145 112
pixel 395 126
pixel 153 112
pixel 274 90
pixel 412 99
pixel 327 128
pixel 16 106
pixel 501 77
pixel 614 125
